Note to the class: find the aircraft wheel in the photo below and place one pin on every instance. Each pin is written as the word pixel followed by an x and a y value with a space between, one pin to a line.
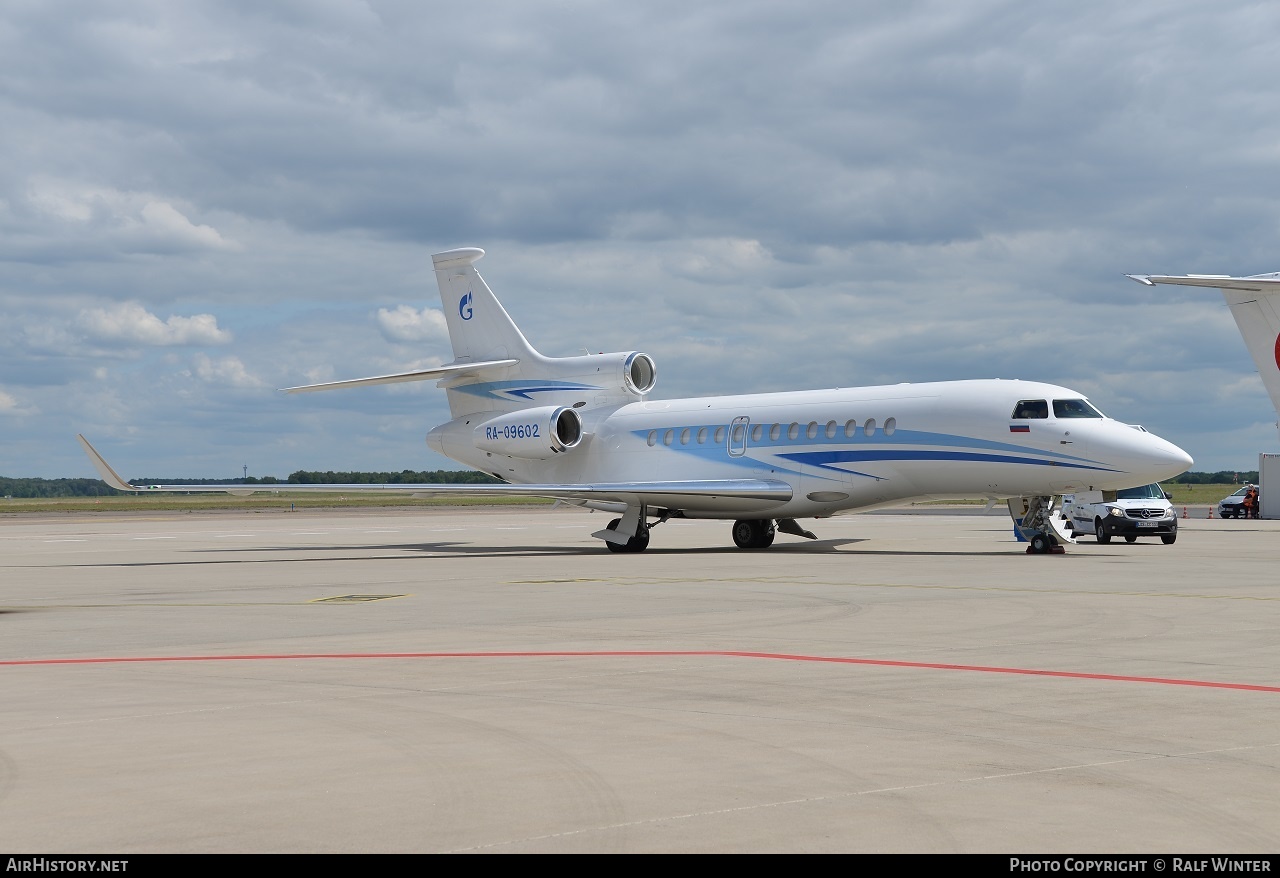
pixel 635 544
pixel 1099 533
pixel 1168 539
pixel 767 533
pixel 750 533
pixel 1041 544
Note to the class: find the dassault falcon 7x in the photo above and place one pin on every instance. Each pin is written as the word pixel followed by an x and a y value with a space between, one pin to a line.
pixel 583 430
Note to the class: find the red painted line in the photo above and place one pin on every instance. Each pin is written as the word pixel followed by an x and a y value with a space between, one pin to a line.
pixel 884 663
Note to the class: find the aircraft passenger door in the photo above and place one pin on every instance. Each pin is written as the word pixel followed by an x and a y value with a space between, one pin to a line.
pixel 738 436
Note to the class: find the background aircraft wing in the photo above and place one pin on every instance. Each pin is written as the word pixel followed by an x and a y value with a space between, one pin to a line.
pixel 718 495
pixel 1213 281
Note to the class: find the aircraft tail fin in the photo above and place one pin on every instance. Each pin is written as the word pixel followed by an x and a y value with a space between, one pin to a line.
pixel 495 369
pixel 1255 304
pixel 479 327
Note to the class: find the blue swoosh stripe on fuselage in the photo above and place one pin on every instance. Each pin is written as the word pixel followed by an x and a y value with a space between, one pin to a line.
pixel 914 437
pixel 521 389
pixel 826 459
pixel 899 437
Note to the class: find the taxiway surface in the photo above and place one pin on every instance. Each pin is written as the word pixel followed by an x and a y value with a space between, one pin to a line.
pixel 495 681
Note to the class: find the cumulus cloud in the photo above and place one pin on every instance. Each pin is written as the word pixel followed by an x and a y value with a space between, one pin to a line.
pixel 130 323
pixel 227 371
pixel 133 221
pixel 405 323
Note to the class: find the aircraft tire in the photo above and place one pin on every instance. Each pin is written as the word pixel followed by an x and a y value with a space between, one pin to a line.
pixel 753 533
pixel 768 532
pixel 1041 544
pixel 1099 533
pixel 635 544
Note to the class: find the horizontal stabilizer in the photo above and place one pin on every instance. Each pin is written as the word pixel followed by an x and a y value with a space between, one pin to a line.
pixel 451 370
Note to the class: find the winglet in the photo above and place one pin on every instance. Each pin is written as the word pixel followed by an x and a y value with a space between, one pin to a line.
pixel 1142 279
pixel 110 476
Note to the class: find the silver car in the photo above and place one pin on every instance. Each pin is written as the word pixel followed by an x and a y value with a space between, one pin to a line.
pixel 1233 506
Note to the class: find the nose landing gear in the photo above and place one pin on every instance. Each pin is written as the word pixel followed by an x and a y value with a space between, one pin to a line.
pixel 1043 544
pixel 1042 524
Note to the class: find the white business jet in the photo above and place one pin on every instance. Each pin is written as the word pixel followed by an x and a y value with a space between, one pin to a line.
pixel 582 430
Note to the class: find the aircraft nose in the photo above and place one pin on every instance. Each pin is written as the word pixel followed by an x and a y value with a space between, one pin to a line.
pixel 1167 458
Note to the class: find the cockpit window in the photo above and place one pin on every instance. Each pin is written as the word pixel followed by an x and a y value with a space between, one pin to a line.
pixel 1074 408
pixel 1030 408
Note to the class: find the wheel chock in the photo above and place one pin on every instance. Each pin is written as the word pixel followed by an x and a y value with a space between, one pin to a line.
pixel 1056 550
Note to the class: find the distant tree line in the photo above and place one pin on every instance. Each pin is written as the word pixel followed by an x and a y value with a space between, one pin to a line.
pixel 1222 477
pixel 435 477
pixel 55 488
pixel 97 488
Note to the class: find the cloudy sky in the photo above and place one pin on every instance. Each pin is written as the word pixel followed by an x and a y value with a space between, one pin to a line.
pixel 203 202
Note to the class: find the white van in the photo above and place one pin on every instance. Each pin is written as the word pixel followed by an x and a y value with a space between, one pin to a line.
pixel 1131 513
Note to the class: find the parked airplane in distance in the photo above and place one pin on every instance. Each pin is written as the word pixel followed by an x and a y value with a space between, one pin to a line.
pixel 583 430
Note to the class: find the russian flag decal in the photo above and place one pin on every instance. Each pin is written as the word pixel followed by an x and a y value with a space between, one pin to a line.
pixel 1019 428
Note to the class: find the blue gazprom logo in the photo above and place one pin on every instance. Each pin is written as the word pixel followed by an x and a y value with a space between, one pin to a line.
pixel 464 306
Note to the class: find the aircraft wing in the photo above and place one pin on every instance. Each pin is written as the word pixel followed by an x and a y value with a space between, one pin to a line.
pixel 1213 281
pixel 448 370
pixel 719 495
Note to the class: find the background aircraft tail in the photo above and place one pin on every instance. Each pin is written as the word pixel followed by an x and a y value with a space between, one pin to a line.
pixel 1255 304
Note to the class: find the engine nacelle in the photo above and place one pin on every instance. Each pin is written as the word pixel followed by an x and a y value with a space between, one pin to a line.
pixel 533 434
pixel 639 373
pixel 602 378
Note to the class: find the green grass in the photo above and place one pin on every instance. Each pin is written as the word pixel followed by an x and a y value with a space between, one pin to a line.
pixel 1183 495
pixel 1199 495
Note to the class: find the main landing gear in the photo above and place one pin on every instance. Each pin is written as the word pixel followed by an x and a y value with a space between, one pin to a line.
pixel 748 533
pixel 637 543
pixel 753 533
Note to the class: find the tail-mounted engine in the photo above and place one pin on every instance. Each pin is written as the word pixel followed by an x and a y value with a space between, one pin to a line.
pixel 533 434
pixel 639 373
pixel 587 380
pixel 598 379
